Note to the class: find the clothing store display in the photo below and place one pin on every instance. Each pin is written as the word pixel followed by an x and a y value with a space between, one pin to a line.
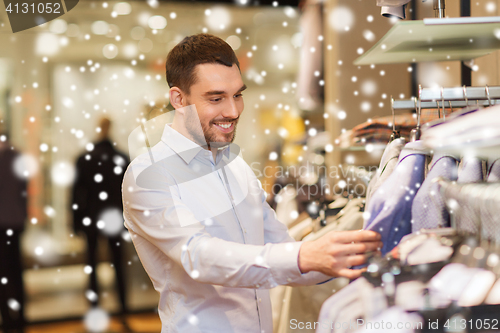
pixel 101 171
pixel 286 205
pixel 493 174
pixel 469 132
pixel 431 250
pixel 389 210
pixel 349 218
pixel 379 129
pixel 13 213
pixel 348 305
pixel 301 229
pixel 387 164
pixel 303 303
pixel 413 292
pixel 494 295
pixel 491 220
pixel 429 209
pixel 470 171
pixel 187 214
pixel 395 315
pixel 477 289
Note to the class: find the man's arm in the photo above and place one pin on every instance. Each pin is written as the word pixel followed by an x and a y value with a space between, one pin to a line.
pixel 324 258
pixel 155 212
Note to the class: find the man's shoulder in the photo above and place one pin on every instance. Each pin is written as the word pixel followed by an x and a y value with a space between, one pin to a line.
pixel 151 163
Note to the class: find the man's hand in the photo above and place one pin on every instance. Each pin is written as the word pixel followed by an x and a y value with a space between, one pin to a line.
pixel 336 251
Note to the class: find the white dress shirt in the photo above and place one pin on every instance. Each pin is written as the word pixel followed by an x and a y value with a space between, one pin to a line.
pixel 208 240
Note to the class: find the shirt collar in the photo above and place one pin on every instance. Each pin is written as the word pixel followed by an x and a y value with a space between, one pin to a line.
pixel 184 147
pixel 181 145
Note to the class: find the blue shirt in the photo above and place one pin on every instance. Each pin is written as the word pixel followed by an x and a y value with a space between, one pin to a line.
pixel 429 208
pixel 389 211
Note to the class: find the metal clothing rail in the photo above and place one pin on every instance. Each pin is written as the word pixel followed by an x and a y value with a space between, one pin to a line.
pixel 430 98
pixel 410 104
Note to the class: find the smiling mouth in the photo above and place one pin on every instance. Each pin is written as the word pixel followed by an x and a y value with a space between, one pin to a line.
pixel 225 127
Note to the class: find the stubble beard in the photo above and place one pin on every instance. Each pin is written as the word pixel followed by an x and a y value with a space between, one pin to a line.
pixel 212 138
pixel 210 134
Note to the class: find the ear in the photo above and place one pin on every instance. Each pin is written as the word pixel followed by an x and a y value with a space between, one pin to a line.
pixel 177 98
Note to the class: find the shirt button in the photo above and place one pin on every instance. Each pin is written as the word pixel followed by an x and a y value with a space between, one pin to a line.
pixel 257 286
pixel 289 280
pixel 260 299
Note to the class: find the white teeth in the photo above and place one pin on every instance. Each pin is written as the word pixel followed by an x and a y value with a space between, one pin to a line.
pixel 224 125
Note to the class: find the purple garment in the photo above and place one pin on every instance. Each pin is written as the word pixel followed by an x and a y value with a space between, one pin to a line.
pixel 490 220
pixel 493 175
pixel 390 206
pixel 429 208
pixel 388 162
pixel 467 217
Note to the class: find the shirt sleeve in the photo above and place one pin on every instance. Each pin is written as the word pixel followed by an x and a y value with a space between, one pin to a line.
pixel 154 210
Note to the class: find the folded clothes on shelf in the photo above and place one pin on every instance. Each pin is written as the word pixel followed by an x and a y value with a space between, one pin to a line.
pixel 379 130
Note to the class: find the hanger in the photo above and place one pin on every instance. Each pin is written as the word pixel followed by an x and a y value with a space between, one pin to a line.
pixel 487 89
pixel 416 133
pixel 395 134
pixel 442 101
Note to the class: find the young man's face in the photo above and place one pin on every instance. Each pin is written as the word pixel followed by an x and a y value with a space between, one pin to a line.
pixel 218 100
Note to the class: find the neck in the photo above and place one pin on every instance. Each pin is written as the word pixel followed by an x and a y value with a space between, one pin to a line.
pixel 179 125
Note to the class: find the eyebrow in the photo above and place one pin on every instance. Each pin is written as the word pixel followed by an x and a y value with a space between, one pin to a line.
pixel 221 92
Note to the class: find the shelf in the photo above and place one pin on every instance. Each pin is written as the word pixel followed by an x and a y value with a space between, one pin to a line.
pixel 461 38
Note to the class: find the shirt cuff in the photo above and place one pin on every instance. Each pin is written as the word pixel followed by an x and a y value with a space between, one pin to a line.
pixel 284 262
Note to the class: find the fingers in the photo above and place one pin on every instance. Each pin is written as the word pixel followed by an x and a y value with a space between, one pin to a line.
pixel 356 236
pixel 356 260
pixel 358 248
pixel 350 273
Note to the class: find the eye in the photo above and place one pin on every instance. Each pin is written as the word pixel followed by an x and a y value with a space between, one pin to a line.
pixel 238 95
pixel 218 99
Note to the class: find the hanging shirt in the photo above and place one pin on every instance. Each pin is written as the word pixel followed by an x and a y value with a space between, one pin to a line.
pixel 465 133
pixel 388 162
pixel 493 175
pixel 208 240
pixel 489 218
pixel 429 207
pixel 467 217
pixel 389 211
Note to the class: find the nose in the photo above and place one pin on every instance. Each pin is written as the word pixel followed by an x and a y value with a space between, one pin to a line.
pixel 231 110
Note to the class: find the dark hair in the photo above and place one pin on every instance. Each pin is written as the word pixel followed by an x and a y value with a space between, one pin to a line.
pixel 195 50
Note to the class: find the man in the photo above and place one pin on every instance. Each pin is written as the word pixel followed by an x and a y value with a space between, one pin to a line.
pixel 97 207
pixel 198 217
pixel 13 213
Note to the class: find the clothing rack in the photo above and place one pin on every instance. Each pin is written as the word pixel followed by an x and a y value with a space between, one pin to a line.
pixel 460 97
pixel 482 200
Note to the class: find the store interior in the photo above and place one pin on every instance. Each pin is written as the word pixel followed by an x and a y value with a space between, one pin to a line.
pixel 314 102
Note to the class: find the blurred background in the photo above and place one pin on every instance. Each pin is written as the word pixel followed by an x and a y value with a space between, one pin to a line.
pixel 106 59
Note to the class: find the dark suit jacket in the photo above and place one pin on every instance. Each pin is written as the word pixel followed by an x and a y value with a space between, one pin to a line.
pixel 12 192
pixel 111 164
